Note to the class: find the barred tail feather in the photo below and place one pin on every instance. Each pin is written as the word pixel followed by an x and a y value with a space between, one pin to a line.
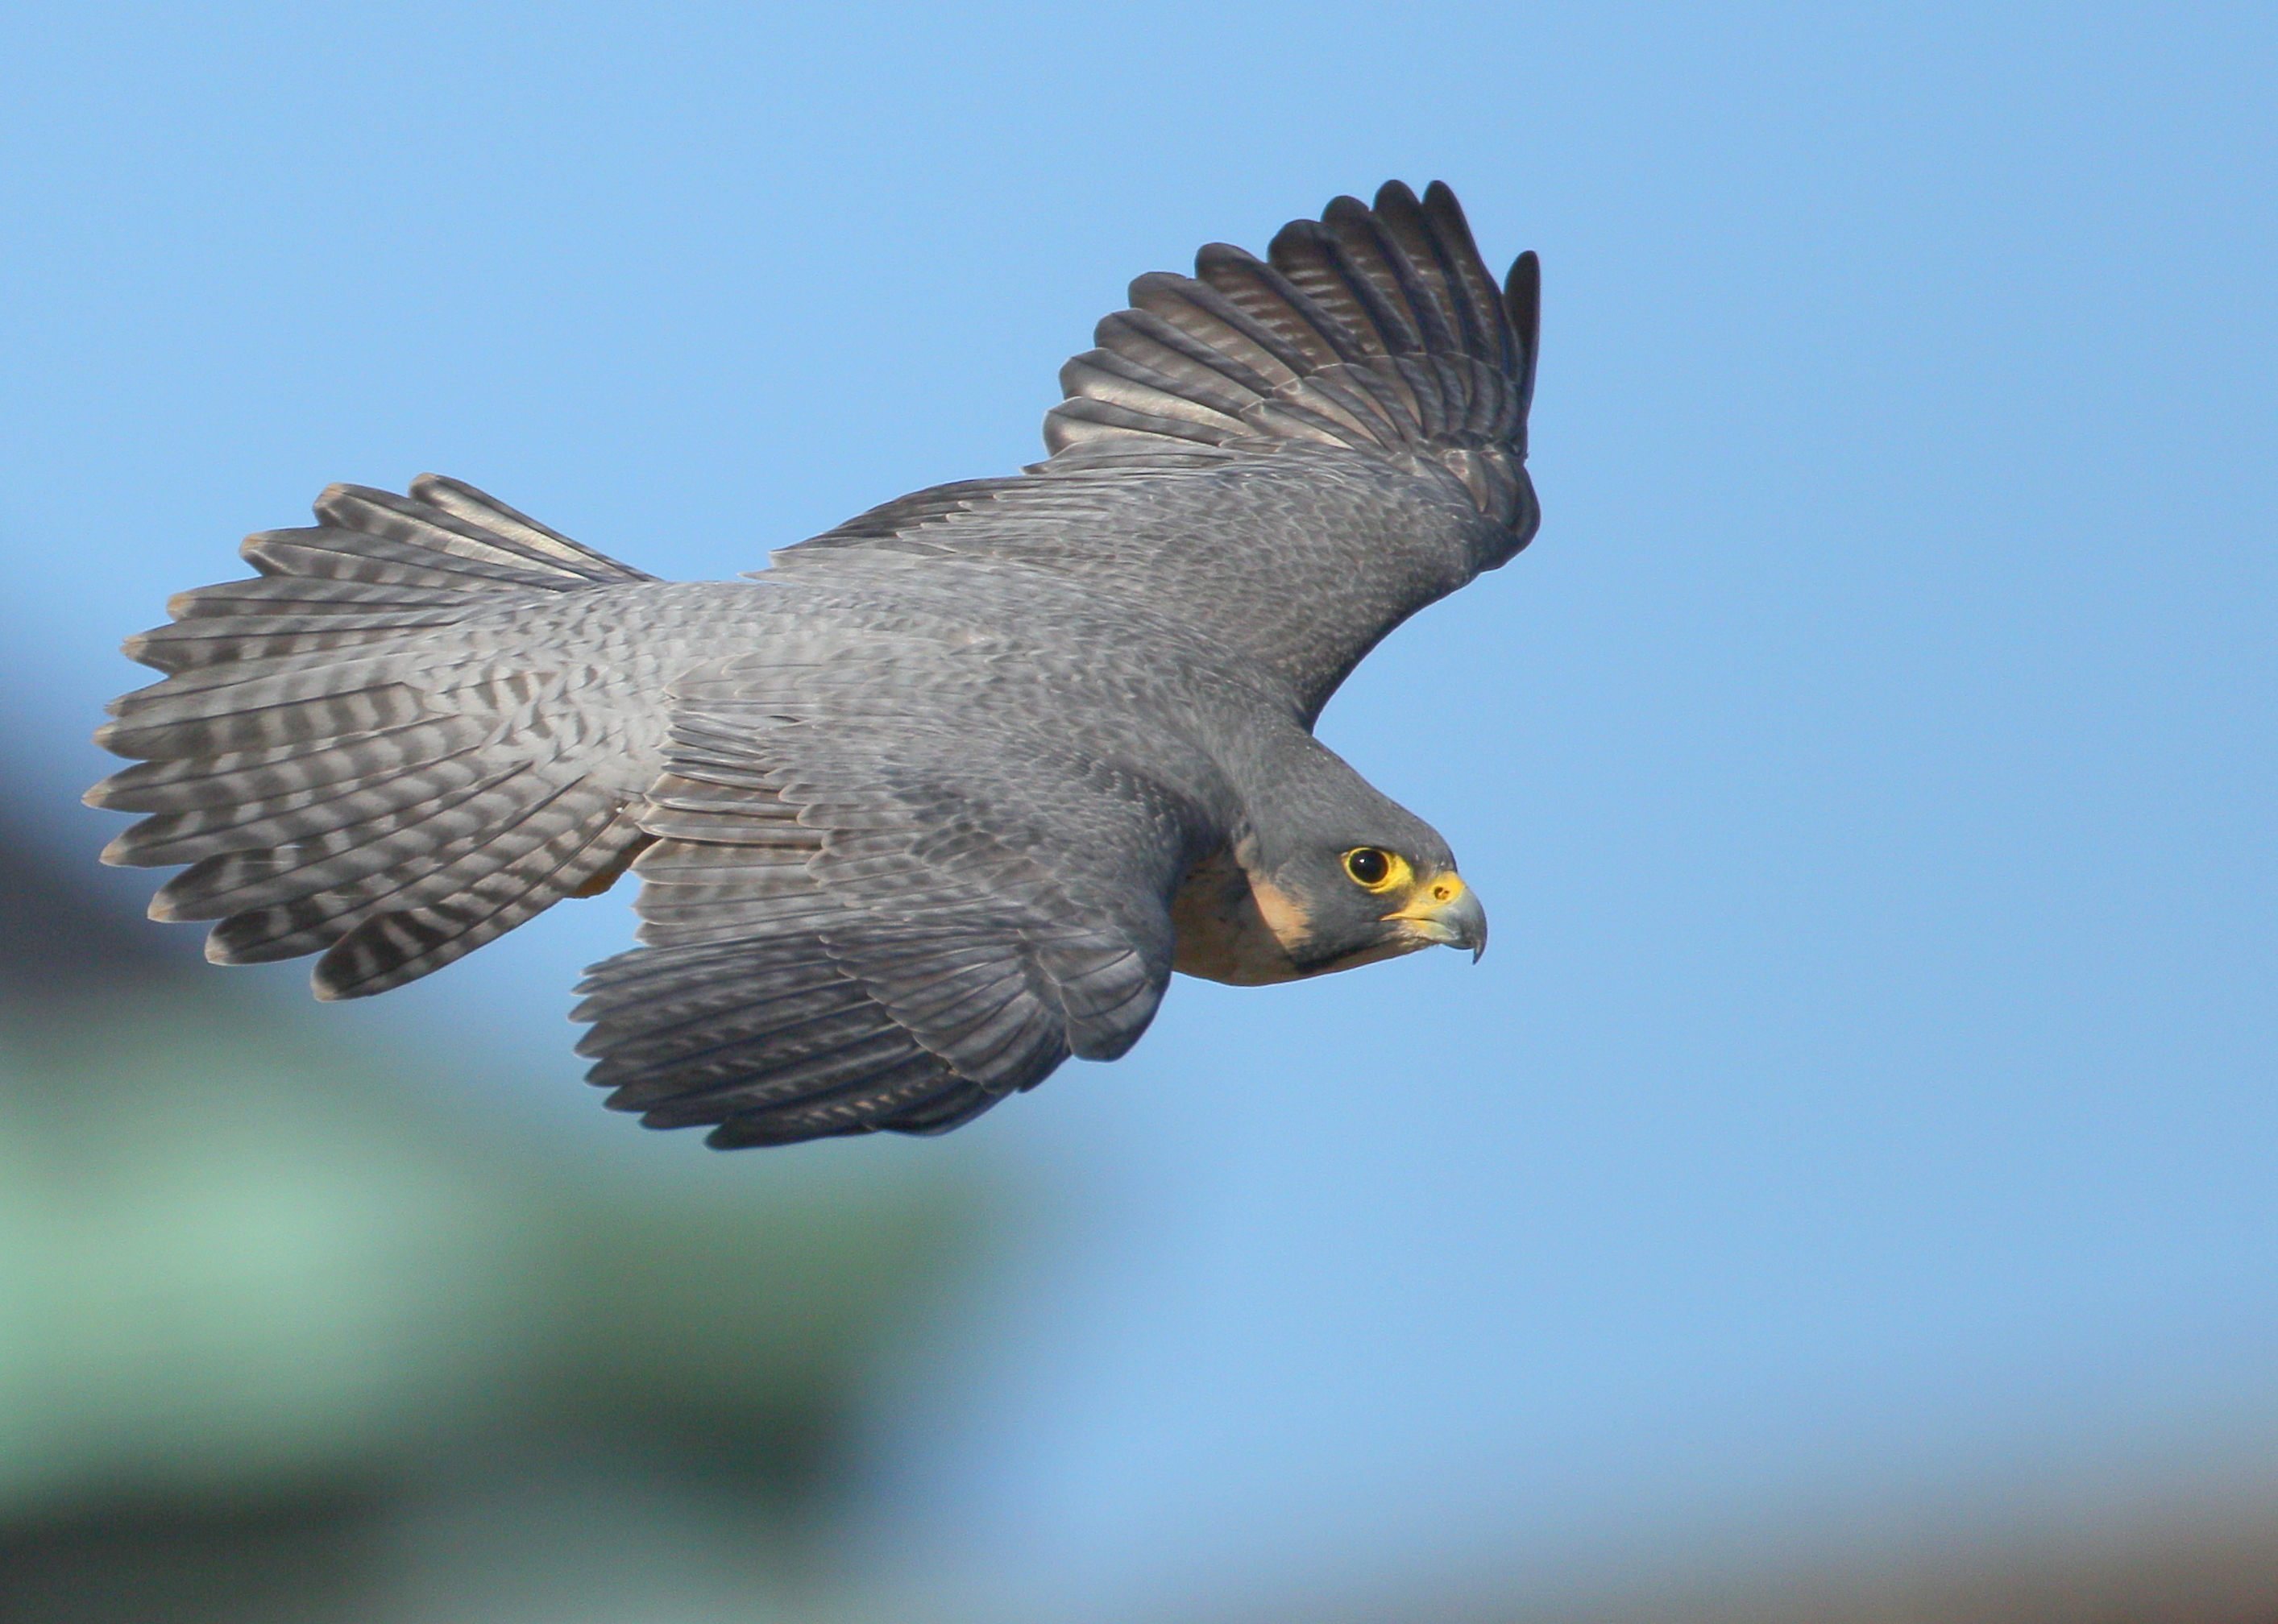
pixel 327 793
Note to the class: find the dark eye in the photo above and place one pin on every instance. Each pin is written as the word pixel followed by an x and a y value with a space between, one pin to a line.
pixel 1367 866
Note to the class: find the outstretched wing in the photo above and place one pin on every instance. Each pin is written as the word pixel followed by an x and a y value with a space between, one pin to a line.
pixel 1290 454
pixel 1378 330
pixel 859 920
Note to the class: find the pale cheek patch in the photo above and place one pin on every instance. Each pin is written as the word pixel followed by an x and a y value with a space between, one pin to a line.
pixel 1284 915
pixel 1223 931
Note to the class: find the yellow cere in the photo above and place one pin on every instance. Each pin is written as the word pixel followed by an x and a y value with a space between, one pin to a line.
pixel 1430 897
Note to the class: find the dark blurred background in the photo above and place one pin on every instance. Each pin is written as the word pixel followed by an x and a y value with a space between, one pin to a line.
pixel 1845 1190
pixel 295 1330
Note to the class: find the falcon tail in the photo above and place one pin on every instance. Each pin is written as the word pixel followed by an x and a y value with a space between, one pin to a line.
pixel 323 803
pixel 1374 328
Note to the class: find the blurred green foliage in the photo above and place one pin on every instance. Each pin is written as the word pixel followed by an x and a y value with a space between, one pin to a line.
pixel 232 1255
pixel 263 1295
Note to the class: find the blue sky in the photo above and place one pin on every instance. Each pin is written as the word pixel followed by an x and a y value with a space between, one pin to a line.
pixel 1869 771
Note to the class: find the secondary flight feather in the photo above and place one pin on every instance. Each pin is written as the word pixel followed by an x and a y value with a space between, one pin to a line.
pixel 945 795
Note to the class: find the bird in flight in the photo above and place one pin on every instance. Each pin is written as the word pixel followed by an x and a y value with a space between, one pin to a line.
pixel 943 795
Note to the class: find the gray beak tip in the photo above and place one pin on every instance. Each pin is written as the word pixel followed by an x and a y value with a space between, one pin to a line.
pixel 1459 922
pixel 1466 923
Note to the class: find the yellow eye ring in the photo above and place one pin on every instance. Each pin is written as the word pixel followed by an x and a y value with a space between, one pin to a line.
pixel 1373 869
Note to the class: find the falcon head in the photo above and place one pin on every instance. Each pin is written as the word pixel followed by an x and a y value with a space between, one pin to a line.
pixel 1338 879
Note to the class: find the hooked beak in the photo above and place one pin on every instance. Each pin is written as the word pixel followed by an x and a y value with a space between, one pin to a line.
pixel 1455 920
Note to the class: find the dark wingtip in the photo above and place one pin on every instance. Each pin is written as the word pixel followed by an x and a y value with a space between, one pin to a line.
pixel 1395 195
pixel 1522 296
pixel 1441 207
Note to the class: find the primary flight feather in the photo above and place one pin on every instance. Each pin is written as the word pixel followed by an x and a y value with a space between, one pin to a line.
pixel 945 795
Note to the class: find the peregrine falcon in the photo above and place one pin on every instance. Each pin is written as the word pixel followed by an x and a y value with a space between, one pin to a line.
pixel 943 795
